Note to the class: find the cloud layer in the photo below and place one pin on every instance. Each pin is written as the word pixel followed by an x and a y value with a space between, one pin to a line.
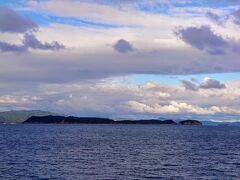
pixel 108 99
pixel 64 63
pixel 12 22
pixel 7 47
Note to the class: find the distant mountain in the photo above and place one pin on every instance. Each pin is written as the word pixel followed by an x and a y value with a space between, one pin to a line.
pixel 21 116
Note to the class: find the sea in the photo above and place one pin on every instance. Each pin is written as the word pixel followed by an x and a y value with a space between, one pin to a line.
pixel 125 152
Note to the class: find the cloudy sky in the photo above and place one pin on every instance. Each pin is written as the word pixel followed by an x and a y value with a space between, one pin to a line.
pixel 121 58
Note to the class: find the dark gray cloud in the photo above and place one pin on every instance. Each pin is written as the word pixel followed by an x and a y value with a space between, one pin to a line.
pixel 12 22
pixel 123 46
pixel 7 47
pixel 206 84
pixel 30 41
pixel 189 85
pixel 212 84
pixel 203 38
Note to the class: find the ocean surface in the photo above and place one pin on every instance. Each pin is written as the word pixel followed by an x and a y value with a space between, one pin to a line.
pixel 119 152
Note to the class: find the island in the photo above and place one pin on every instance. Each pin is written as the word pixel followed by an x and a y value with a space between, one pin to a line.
pixel 67 120
pixel 12 117
pixel 51 119
pixel 190 122
pixel 89 120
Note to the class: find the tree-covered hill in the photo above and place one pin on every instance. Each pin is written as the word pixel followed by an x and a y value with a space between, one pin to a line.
pixel 20 116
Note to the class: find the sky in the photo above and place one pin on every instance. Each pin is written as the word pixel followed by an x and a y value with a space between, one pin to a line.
pixel 121 58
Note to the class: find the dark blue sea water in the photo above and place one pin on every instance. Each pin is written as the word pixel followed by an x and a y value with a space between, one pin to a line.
pixel 119 152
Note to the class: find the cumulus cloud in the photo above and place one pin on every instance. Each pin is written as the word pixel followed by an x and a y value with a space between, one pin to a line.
pixel 207 83
pixel 11 21
pixel 212 84
pixel 123 46
pixel 174 107
pixel 203 38
pixel 107 99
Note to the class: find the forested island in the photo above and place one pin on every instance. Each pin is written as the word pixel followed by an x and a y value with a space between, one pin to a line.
pixel 44 117
pixel 94 120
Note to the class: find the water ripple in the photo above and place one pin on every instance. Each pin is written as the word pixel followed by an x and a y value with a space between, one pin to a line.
pixel 118 152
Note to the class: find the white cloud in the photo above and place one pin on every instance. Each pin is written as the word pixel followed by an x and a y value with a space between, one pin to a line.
pixel 108 99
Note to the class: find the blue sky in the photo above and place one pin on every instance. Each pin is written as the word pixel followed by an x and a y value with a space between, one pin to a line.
pixel 176 79
pixel 147 55
pixel 156 7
